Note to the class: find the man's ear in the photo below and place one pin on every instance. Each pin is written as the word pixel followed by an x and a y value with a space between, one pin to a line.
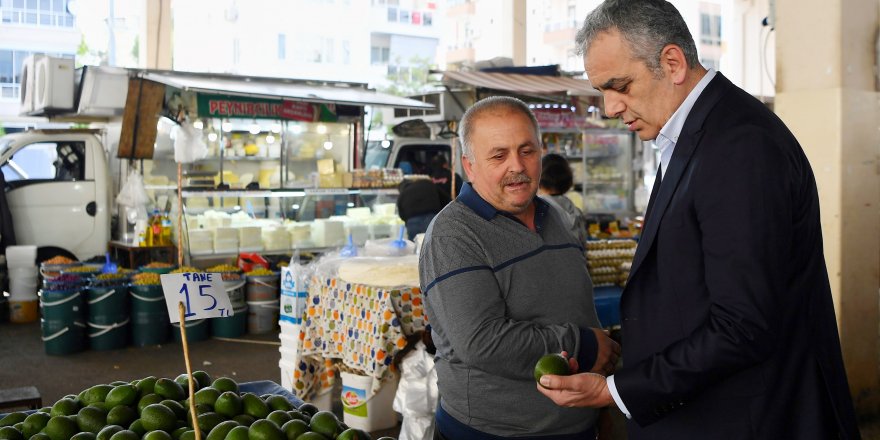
pixel 466 165
pixel 674 63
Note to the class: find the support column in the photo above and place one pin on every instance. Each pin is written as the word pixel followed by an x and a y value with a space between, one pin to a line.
pixel 827 94
pixel 156 38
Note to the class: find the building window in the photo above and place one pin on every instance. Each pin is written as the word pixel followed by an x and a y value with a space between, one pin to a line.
pixel 427 19
pixel 282 46
pixel 379 55
pixel 710 29
pixel 314 49
pixel 416 18
pixel 346 52
pixel 10 71
pixel 404 16
pixel 392 15
pixel 36 13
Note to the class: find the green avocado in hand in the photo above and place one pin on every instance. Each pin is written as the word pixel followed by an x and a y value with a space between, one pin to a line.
pixel 553 363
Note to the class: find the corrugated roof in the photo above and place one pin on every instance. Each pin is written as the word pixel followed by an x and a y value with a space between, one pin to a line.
pixel 271 88
pixel 524 84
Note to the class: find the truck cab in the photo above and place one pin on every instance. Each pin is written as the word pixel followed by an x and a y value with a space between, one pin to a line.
pixel 58 185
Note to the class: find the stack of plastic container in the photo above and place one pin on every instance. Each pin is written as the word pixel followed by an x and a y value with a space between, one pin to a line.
pixel 294 292
pixel 23 279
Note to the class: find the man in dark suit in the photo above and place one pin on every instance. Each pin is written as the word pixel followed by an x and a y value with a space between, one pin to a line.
pixel 728 323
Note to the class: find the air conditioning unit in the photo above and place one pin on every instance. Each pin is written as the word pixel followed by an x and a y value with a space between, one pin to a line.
pixel 448 106
pixel 26 91
pixel 53 85
pixel 102 91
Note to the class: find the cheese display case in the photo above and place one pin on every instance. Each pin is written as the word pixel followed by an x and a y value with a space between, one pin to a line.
pixel 220 224
pixel 601 160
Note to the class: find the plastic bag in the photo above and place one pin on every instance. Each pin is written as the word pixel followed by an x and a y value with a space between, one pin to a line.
pixel 417 395
pixel 134 195
pixel 188 143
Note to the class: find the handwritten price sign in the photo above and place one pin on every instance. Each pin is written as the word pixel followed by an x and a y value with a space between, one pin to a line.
pixel 202 294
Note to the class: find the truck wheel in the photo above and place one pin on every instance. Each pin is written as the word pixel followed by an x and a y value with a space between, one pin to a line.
pixel 47 252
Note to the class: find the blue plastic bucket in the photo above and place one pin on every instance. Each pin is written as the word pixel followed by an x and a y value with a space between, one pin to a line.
pixel 63 323
pixel 233 326
pixel 149 316
pixel 108 317
pixel 197 330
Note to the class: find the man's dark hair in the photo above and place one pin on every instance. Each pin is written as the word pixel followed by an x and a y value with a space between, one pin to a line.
pixel 556 175
pixel 647 25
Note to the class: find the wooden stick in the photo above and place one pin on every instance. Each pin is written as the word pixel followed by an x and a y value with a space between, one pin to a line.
pixel 192 392
pixel 179 221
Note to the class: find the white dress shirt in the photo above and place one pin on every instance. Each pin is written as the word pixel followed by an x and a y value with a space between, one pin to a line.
pixel 666 140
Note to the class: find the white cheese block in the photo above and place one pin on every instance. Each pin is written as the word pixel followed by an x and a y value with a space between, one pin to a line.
pixel 327 233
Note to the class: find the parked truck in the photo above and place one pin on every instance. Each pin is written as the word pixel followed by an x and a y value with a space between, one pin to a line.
pixel 58 189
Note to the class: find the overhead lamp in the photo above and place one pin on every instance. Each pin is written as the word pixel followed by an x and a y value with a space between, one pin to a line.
pixel 226 126
pixel 270 139
pixel 198 125
pixel 386 143
pixel 321 129
pixel 296 129
pixel 328 145
pixel 212 137
pixel 254 128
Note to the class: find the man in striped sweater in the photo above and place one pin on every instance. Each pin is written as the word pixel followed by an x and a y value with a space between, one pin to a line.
pixel 505 283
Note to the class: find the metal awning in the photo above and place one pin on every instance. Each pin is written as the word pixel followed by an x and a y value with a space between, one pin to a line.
pixel 282 89
pixel 524 84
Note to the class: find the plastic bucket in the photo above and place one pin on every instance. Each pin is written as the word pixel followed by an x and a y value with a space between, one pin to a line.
pixel 108 336
pixel 149 316
pixel 24 311
pixel 262 288
pixel 84 271
pixel 107 304
pixel 362 410
pixel 197 330
pixel 262 316
pixel 158 270
pixel 66 340
pixel 108 317
pixel 22 256
pixel 235 290
pixel 233 326
pixel 23 286
pixel 61 308
pixel 53 270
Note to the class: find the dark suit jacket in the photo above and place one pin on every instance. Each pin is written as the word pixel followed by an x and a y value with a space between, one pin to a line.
pixel 728 324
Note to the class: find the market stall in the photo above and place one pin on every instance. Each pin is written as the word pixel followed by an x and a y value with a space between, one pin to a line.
pixel 270 164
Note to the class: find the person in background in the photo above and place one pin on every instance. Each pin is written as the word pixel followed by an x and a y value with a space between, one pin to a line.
pixel 728 318
pixel 505 283
pixel 418 201
pixel 442 176
pixel 556 180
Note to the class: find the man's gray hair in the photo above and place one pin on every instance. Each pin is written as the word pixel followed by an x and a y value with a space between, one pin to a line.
pixel 492 103
pixel 647 25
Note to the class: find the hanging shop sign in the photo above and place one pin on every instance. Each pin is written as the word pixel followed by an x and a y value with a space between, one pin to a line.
pixel 223 106
pixel 561 119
